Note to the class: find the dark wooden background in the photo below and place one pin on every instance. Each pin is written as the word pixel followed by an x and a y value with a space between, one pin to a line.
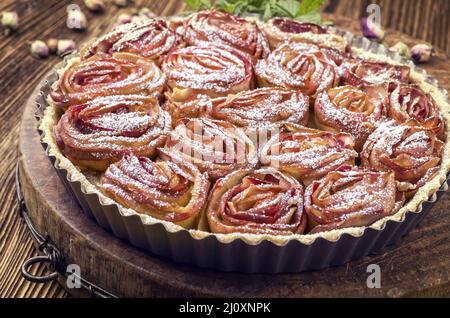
pixel 427 20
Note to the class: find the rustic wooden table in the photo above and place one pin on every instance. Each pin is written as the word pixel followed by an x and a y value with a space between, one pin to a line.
pixel 427 20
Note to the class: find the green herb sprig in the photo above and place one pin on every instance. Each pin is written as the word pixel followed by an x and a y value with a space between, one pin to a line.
pixel 304 10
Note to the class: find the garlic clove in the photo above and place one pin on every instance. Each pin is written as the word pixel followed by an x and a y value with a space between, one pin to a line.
pixel 39 49
pixel 124 18
pixel 402 49
pixel 10 21
pixel 372 30
pixel 138 19
pixel 146 12
pixel 96 6
pixel 121 3
pixel 52 45
pixel 421 53
pixel 65 47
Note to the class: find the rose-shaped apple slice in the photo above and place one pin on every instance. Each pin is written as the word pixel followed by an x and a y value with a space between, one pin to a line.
pixel 351 109
pixel 209 69
pixel 351 197
pixel 279 30
pixel 261 201
pixel 412 152
pixel 308 154
pixel 410 102
pixel 152 39
pixel 104 75
pixel 299 66
pixel 366 72
pixel 103 130
pixel 262 108
pixel 212 26
pixel 169 189
pixel 214 146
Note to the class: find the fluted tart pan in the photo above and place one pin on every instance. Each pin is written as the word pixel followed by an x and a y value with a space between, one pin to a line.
pixel 248 253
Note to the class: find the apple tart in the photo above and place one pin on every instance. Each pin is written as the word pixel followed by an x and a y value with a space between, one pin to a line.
pixel 165 120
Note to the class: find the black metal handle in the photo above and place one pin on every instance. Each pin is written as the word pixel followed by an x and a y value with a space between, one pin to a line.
pixel 52 254
pixel 37 279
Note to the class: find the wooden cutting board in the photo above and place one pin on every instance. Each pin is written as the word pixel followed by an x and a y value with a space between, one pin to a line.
pixel 418 265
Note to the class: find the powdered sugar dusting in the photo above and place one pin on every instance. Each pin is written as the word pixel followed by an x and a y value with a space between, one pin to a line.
pixel 213 68
pixel 298 66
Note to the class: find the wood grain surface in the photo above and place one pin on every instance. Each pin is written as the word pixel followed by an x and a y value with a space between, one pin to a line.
pixel 41 19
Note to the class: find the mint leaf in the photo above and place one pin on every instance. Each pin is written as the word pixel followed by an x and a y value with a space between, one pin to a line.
pixel 308 7
pixel 194 4
pixel 241 7
pixel 311 17
pixel 206 4
pixel 289 6
pixel 305 10
pixel 229 6
pixel 267 12
pixel 199 4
